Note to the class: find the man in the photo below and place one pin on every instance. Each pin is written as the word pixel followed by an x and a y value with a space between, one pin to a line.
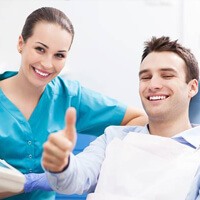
pixel 123 165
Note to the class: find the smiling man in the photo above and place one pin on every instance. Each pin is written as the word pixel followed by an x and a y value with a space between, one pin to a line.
pixel 152 162
pixel 165 90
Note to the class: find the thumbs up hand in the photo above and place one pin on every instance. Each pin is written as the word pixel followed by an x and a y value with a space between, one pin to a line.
pixel 59 145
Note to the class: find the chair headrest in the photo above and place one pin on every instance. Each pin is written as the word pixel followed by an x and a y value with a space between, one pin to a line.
pixel 194 109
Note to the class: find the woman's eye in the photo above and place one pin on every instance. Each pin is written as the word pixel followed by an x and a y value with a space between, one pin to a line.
pixel 40 49
pixel 60 55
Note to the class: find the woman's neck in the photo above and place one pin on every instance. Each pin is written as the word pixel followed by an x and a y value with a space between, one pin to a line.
pixel 22 94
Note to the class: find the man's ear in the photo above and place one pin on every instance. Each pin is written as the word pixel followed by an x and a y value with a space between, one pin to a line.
pixel 20 44
pixel 193 87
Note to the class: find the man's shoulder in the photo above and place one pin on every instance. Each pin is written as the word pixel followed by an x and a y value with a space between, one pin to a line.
pixel 126 129
pixel 122 131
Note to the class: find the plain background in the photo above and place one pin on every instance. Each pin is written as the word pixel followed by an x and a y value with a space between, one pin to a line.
pixel 109 37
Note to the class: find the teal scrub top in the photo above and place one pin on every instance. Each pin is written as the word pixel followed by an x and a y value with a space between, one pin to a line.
pixel 21 141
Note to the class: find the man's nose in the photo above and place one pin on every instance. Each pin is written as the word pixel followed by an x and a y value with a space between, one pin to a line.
pixel 155 83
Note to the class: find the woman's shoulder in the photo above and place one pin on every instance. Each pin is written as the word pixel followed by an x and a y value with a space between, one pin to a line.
pixel 7 74
pixel 61 85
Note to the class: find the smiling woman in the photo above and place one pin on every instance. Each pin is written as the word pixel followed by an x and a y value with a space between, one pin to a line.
pixel 34 100
pixel 43 54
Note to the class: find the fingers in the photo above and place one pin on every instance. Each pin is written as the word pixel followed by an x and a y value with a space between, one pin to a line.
pixel 54 164
pixel 70 129
pixel 56 152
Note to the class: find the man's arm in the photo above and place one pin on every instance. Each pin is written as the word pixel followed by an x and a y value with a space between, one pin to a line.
pixel 83 170
pixel 78 174
pixel 134 116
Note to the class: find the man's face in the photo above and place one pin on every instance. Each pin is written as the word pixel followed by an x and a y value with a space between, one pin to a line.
pixel 163 89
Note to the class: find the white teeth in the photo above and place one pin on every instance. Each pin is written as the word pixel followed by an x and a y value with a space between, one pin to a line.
pixel 157 98
pixel 41 73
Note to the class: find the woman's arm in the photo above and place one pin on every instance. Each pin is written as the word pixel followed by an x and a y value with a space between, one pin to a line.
pixel 134 116
pixel 8 194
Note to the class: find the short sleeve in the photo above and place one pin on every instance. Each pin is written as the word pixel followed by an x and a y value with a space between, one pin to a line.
pixel 97 111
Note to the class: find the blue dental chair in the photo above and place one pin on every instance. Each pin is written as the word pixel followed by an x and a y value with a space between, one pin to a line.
pixel 194 109
pixel 84 140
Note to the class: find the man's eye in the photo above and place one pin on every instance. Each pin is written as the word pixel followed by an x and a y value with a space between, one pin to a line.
pixel 145 78
pixel 40 49
pixel 168 76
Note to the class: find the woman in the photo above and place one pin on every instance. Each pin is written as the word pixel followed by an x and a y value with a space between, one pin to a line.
pixel 34 99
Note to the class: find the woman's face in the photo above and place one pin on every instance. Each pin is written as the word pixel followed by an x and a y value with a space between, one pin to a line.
pixel 44 53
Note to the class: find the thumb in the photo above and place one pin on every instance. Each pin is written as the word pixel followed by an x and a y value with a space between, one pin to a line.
pixel 70 129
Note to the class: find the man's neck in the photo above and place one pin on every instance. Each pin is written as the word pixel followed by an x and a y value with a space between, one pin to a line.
pixel 168 129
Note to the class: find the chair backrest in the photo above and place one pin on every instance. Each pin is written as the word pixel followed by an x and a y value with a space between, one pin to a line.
pixel 194 109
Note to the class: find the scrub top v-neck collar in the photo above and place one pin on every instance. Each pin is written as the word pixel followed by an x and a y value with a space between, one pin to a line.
pixel 17 114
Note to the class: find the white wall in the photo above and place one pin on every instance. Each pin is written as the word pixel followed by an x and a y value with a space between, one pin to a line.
pixel 191 31
pixel 109 38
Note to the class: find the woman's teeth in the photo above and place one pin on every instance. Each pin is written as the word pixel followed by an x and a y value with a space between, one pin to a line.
pixel 41 73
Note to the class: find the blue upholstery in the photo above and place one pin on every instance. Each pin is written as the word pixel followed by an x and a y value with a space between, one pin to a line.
pixel 194 110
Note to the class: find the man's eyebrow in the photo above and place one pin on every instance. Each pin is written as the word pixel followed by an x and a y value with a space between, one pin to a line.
pixel 167 69
pixel 143 71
